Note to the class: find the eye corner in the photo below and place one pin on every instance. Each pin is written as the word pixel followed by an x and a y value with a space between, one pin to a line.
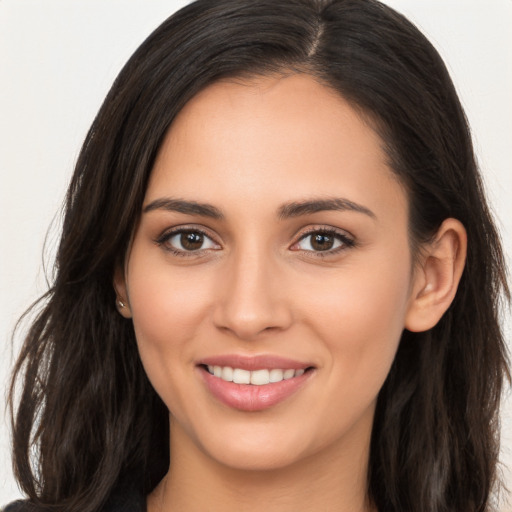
pixel 329 241
pixel 184 247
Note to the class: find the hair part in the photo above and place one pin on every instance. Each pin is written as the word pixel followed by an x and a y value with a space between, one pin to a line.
pixel 85 402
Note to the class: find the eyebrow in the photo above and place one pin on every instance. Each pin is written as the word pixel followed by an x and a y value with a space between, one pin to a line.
pixel 286 211
pixel 187 207
pixel 296 209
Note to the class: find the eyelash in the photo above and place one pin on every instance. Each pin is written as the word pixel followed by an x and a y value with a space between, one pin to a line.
pixel 346 241
pixel 166 236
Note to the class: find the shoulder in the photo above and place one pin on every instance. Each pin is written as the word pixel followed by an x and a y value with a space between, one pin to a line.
pixel 125 499
pixel 19 506
pixel 122 500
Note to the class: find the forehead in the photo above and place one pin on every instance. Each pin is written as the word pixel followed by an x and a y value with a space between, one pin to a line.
pixel 274 137
pixel 296 107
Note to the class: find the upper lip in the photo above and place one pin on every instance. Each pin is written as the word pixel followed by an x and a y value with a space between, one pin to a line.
pixel 254 362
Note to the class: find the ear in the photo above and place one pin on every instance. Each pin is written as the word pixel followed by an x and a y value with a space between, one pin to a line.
pixel 437 276
pixel 122 302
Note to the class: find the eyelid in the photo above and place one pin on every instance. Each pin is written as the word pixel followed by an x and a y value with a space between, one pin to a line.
pixel 347 240
pixel 167 234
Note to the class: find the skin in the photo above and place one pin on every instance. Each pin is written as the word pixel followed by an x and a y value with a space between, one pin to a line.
pixel 258 286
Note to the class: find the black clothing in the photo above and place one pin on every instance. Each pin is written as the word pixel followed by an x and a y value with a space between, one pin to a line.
pixel 123 500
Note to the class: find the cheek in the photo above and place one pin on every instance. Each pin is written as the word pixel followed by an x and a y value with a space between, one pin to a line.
pixel 165 302
pixel 167 310
pixel 360 316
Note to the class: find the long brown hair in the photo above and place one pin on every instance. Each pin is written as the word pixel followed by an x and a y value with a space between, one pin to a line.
pixel 86 419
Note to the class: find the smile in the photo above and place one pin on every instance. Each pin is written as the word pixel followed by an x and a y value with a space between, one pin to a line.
pixel 255 377
pixel 253 383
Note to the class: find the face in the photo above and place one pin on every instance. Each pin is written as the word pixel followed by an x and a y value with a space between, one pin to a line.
pixel 272 250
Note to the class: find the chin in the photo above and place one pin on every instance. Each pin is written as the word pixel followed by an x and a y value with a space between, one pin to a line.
pixel 253 447
pixel 245 458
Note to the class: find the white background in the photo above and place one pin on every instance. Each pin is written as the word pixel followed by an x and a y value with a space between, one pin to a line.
pixel 58 59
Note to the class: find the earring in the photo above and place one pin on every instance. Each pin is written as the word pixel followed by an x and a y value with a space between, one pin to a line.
pixel 121 304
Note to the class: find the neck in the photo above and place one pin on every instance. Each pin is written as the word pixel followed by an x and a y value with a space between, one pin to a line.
pixel 331 480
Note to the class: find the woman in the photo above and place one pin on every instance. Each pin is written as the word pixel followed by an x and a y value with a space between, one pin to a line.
pixel 278 279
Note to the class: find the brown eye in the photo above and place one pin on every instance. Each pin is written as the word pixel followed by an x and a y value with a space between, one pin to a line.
pixel 322 242
pixel 191 241
pixel 186 241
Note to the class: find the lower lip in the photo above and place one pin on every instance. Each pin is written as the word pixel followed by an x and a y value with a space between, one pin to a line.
pixel 248 397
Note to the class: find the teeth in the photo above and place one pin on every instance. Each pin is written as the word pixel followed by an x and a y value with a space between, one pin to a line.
pixel 256 377
pixel 227 373
pixel 260 377
pixel 288 374
pixel 241 376
pixel 276 375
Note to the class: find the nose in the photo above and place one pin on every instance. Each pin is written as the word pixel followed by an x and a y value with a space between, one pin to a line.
pixel 252 297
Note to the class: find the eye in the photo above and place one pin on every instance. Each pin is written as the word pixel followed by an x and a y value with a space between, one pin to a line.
pixel 323 241
pixel 184 241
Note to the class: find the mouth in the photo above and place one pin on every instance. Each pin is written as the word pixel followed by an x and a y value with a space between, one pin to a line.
pixel 255 377
pixel 254 383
